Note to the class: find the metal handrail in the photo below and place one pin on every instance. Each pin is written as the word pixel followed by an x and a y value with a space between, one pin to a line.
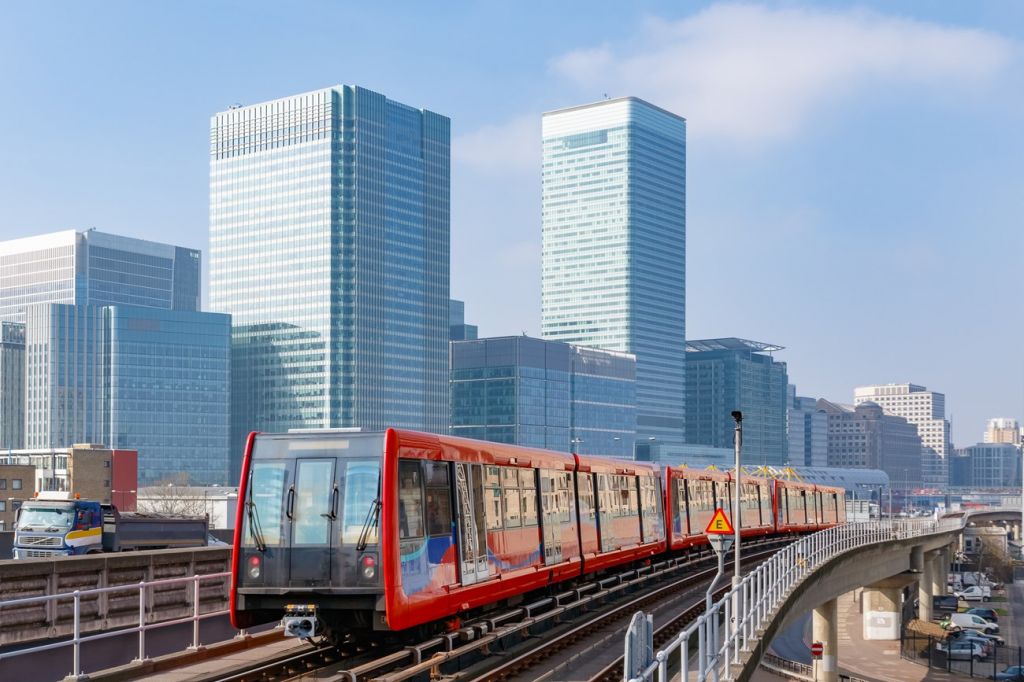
pixel 756 598
pixel 77 639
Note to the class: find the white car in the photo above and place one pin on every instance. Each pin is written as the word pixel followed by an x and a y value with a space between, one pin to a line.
pixel 962 651
pixel 974 593
pixel 972 622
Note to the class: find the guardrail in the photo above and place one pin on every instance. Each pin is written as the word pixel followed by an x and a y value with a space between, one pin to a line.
pixel 77 639
pixel 721 637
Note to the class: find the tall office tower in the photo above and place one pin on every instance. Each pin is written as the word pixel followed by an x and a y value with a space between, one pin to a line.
pixel 544 394
pixel 96 268
pixel 865 437
pixel 12 385
pixel 329 247
pixel 1002 430
pixel 458 329
pixel 806 429
pixel 614 246
pixel 729 374
pixel 927 411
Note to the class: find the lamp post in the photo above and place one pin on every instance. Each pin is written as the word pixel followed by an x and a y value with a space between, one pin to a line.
pixel 737 513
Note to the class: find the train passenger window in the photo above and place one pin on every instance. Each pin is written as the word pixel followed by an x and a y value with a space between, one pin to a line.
pixel 585 483
pixel 439 501
pixel 410 500
pixel 513 501
pixel 266 491
pixel 528 495
pixel 492 497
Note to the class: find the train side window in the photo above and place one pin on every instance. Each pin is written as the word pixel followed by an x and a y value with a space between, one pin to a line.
pixel 439 507
pixel 510 488
pixel 585 483
pixel 492 497
pixel 410 499
pixel 528 493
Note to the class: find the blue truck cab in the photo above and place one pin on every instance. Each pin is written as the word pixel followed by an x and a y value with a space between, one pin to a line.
pixel 58 524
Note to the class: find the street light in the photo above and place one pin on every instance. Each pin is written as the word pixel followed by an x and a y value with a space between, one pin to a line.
pixel 737 513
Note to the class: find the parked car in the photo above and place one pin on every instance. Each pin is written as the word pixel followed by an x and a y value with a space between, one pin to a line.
pixel 975 593
pixel 1015 673
pixel 986 613
pixel 947 603
pixel 961 651
pixel 988 645
pixel 969 621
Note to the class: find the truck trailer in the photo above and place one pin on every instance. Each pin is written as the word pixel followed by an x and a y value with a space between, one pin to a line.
pixel 59 524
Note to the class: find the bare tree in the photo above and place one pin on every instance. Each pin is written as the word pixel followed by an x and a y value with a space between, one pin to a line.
pixel 172 497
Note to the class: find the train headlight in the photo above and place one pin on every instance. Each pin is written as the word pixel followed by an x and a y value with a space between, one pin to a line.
pixel 368 566
pixel 255 567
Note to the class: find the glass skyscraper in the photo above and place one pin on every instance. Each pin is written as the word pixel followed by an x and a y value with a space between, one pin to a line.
pixel 544 394
pixel 96 268
pixel 12 385
pixel 329 246
pixel 116 350
pixel 729 374
pixel 614 255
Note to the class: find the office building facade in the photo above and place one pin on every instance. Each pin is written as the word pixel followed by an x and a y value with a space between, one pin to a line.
pixel 329 247
pixel 12 385
pixel 1002 430
pixel 96 268
pixel 723 375
pixel 544 394
pixel 927 411
pixel 806 430
pixel 153 380
pixel 614 246
pixel 865 437
pixel 991 465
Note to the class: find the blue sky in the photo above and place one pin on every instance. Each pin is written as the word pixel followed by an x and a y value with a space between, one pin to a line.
pixel 855 171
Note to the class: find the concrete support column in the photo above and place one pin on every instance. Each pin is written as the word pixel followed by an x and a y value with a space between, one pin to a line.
pixel 880 604
pixel 825 629
pixel 924 587
pixel 939 573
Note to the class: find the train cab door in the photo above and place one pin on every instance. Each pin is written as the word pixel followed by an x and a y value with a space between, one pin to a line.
pixel 311 507
pixel 472 540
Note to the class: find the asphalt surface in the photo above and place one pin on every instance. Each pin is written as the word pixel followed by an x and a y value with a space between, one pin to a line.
pixel 55 664
pixel 791 643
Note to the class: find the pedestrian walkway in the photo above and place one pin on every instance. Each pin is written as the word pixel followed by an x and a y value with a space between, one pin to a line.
pixel 876 660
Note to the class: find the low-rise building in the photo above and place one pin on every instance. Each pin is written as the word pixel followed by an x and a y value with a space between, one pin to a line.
pixel 95 472
pixel 988 465
pixel 17 484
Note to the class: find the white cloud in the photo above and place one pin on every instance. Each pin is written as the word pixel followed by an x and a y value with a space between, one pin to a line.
pixel 514 145
pixel 751 73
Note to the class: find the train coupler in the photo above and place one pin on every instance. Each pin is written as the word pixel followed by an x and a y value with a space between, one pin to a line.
pixel 300 621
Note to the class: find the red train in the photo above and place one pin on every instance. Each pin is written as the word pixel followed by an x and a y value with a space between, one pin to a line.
pixel 342 532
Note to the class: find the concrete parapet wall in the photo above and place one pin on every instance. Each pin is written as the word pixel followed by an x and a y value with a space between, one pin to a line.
pixel 99 612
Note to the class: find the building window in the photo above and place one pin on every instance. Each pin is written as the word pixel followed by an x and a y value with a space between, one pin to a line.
pixel 3 506
pixel 15 484
pixel 3 484
pixel 106 483
pixel 106 464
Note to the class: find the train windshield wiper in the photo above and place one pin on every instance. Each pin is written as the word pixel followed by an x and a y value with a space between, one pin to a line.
pixel 372 515
pixel 255 530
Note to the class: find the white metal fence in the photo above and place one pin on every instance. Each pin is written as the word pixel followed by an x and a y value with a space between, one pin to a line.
pixel 720 639
pixel 77 639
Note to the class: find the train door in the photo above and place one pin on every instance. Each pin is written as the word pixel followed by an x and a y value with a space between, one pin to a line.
pixel 311 508
pixel 469 491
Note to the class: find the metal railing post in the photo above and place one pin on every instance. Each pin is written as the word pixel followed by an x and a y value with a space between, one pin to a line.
pixel 701 653
pixel 195 613
pixel 77 655
pixel 142 620
pixel 684 656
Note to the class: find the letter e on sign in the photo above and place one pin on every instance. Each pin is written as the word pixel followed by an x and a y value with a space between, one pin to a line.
pixel 719 525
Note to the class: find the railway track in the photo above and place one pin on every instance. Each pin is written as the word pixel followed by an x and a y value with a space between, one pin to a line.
pixel 515 644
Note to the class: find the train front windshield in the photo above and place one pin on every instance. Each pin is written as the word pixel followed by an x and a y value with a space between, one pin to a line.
pixel 308 497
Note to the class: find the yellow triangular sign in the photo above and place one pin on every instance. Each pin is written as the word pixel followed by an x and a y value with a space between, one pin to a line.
pixel 719 524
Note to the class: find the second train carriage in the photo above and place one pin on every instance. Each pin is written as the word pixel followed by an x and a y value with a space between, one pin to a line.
pixel 387 531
